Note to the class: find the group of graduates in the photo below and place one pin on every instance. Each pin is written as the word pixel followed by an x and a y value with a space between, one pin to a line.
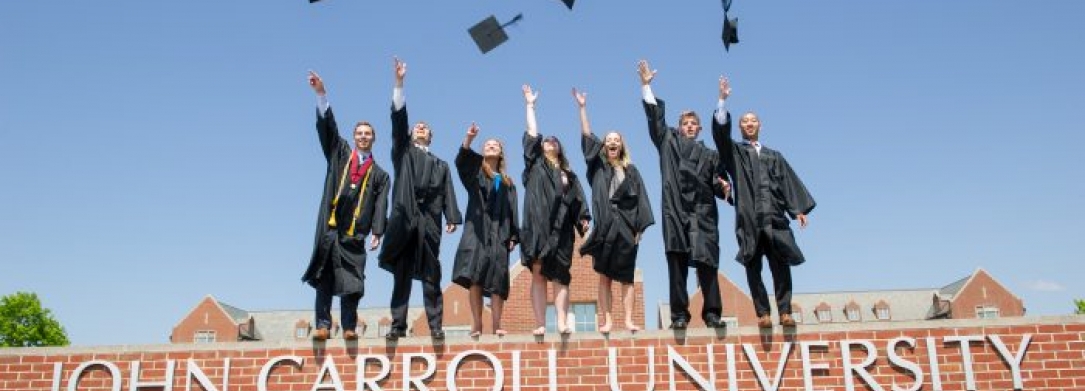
pixel 755 179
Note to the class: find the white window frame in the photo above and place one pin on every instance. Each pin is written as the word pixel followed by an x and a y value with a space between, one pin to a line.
pixel 824 316
pixel 852 314
pixel 988 312
pixel 204 336
pixel 883 313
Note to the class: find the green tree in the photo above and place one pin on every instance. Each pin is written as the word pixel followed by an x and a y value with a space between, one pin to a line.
pixel 24 323
pixel 1080 307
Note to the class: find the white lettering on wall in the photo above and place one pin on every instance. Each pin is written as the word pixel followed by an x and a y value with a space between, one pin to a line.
pixel 932 358
pixel 328 370
pixel 1014 360
pixel 613 376
pixel 417 381
pixel 261 382
pixel 917 373
pixel 966 356
pixel 371 382
pixel 499 371
pixel 134 383
pixel 762 377
pixel 860 369
pixel 193 371
pixel 114 373
pixel 809 367
pixel 673 358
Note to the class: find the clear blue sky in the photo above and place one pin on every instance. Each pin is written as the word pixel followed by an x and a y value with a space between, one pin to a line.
pixel 152 153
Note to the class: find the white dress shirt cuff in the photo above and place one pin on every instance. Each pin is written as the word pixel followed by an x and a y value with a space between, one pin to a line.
pixel 721 112
pixel 398 101
pixel 649 97
pixel 322 104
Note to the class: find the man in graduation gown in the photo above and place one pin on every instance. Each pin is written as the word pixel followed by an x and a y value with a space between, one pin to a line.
pixel 766 192
pixel 421 194
pixel 354 205
pixel 689 171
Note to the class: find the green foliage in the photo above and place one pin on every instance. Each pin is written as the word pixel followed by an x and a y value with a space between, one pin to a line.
pixel 1080 307
pixel 24 323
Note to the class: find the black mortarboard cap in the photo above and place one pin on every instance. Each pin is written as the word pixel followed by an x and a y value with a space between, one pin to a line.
pixel 730 32
pixel 568 3
pixel 488 33
pixel 313 1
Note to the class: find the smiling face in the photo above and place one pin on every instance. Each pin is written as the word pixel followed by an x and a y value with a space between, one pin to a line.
pixel 492 148
pixel 364 135
pixel 613 146
pixel 551 148
pixel 421 133
pixel 750 125
pixel 689 124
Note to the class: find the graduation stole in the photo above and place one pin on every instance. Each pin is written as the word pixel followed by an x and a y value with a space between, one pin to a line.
pixel 361 193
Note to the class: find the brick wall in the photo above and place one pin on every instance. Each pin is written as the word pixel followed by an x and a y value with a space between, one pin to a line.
pixel 1053 360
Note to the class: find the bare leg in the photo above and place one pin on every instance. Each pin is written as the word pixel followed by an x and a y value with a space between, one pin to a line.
pixel 604 303
pixel 498 304
pixel 561 302
pixel 627 302
pixel 538 297
pixel 476 310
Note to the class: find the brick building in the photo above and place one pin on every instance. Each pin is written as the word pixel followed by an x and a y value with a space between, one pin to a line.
pixel 977 295
pixel 214 321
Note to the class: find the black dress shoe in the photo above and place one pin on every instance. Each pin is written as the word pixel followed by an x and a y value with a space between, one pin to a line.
pixel 715 323
pixel 680 324
pixel 395 334
pixel 437 334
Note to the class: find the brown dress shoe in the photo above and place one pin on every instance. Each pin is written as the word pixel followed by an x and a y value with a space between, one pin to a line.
pixel 786 320
pixel 350 335
pixel 764 321
pixel 320 334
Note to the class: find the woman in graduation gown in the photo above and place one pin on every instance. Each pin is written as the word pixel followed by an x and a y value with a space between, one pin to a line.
pixel 554 207
pixel 490 229
pixel 622 213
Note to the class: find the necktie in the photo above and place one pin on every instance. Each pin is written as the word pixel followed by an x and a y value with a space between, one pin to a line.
pixel 497 182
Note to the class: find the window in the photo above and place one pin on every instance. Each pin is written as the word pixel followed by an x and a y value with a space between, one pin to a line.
pixel 882 313
pixel 581 317
pixel 852 314
pixel 796 315
pixel 383 329
pixel 824 315
pixel 204 336
pixel 987 312
pixel 301 332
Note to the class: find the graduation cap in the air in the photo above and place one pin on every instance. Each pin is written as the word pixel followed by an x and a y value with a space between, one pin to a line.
pixel 568 3
pixel 730 27
pixel 488 33
pixel 730 32
pixel 313 1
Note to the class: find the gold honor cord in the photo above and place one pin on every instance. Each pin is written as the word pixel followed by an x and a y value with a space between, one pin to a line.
pixel 361 195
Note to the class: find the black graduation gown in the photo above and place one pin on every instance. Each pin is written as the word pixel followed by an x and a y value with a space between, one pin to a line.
pixel 766 192
pixel 334 248
pixel 491 224
pixel 422 192
pixel 688 169
pixel 618 218
pixel 550 214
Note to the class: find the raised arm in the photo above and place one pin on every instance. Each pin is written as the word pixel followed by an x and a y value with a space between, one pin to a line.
pixel 529 101
pixel 468 161
pixel 582 103
pixel 326 129
pixel 721 129
pixel 653 109
pixel 401 134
